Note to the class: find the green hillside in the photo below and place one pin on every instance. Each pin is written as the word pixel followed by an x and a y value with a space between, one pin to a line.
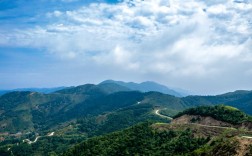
pixel 239 99
pixel 165 139
pixel 31 111
pixel 140 140
pixel 175 139
pixel 220 112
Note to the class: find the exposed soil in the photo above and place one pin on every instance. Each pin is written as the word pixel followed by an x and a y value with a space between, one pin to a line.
pixel 244 146
pixel 200 120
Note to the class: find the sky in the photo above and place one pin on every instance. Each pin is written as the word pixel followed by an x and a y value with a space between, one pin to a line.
pixel 201 46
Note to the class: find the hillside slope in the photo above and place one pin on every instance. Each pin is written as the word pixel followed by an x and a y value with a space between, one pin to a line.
pixel 177 138
pixel 163 139
pixel 139 140
pixel 239 99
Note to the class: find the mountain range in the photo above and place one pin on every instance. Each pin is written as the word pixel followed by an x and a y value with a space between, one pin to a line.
pixel 81 112
pixel 125 86
pixel 32 111
pixel 40 90
pixel 147 87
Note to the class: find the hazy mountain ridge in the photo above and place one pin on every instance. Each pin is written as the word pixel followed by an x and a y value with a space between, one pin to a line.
pixel 238 99
pixel 40 90
pixel 107 86
pixel 146 87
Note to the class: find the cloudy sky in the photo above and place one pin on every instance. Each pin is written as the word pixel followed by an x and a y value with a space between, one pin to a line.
pixel 204 47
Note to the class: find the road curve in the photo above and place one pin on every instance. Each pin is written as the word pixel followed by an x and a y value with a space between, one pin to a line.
pixel 31 142
pixel 36 139
pixel 163 116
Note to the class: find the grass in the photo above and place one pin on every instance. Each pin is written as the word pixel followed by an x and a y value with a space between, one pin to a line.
pixel 231 108
pixel 168 112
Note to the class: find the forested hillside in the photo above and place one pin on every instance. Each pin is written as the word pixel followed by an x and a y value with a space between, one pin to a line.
pixel 140 140
pixel 239 99
pixel 176 138
pixel 31 111
pixel 166 139
pixel 81 112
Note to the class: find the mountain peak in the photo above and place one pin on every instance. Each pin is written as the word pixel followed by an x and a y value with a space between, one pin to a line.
pixel 146 86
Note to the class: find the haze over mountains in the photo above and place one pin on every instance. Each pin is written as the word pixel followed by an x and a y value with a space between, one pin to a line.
pixel 40 90
pixel 143 87
pixel 147 87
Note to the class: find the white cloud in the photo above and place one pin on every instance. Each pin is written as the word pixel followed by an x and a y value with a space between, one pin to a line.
pixel 178 38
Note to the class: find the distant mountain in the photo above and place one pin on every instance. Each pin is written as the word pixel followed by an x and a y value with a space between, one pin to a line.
pixel 39 90
pixel 239 99
pixel 146 87
pixel 111 86
pixel 106 88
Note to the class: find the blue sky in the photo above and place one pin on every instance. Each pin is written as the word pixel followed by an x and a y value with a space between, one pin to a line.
pixel 204 47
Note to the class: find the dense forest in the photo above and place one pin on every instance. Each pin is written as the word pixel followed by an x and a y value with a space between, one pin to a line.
pixel 154 139
pixel 92 136
pixel 140 140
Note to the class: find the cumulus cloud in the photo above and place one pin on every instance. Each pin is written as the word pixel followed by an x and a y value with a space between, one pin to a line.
pixel 172 38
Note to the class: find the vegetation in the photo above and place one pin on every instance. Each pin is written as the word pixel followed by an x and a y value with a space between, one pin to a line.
pixel 239 99
pixel 36 112
pixel 45 146
pixel 219 146
pixel 219 112
pixel 78 113
pixel 114 121
pixel 84 128
pixel 168 112
pixel 140 140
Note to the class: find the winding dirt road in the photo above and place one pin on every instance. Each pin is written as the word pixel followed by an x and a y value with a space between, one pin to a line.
pixel 31 142
pixel 36 139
